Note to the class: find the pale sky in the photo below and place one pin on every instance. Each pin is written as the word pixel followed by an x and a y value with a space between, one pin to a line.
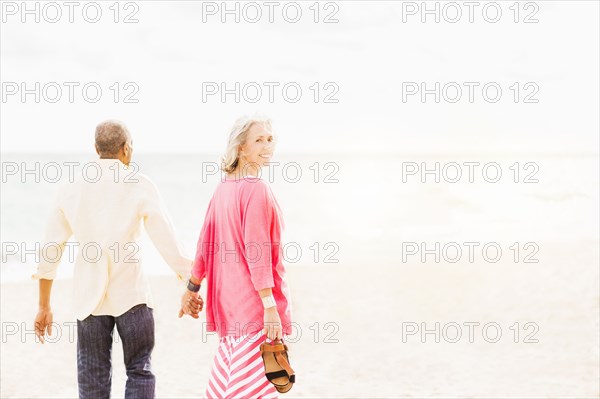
pixel 367 55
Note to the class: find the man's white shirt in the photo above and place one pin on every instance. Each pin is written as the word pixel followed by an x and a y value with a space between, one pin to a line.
pixel 105 215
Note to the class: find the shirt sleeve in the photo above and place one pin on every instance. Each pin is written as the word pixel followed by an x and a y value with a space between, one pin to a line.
pixel 205 244
pixel 58 231
pixel 161 232
pixel 259 214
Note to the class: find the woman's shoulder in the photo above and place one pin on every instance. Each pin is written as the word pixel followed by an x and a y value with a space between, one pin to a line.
pixel 255 188
pixel 255 185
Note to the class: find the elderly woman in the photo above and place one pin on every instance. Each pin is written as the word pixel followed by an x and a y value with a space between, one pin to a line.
pixel 240 256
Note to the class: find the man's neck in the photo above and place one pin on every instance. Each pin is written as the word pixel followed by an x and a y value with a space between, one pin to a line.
pixel 113 158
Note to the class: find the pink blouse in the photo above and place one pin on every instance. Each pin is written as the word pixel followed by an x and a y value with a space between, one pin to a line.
pixel 239 253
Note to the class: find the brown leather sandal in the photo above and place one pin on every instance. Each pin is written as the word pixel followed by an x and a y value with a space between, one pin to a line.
pixel 277 365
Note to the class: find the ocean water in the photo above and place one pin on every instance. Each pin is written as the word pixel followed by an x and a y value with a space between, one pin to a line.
pixel 339 209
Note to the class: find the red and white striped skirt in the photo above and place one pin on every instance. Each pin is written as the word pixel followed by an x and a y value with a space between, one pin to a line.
pixel 238 370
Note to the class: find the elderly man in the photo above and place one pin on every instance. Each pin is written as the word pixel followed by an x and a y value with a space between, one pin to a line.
pixel 104 215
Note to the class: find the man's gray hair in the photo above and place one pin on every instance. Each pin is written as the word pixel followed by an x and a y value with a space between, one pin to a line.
pixel 110 137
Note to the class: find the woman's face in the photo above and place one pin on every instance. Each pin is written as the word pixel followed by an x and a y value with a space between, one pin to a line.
pixel 259 146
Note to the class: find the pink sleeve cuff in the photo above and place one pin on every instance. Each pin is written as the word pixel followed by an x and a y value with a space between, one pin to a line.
pixel 262 278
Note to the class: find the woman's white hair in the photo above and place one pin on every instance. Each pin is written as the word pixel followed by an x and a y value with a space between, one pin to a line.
pixel 237 137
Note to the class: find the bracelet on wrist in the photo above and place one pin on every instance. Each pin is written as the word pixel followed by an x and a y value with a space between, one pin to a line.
pixel 193 287
pixel 268 302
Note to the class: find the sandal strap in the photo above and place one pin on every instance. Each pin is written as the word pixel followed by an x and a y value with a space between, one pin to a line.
pixel 285 364
pixel 281 373
pixel 273 348
pixel 276 374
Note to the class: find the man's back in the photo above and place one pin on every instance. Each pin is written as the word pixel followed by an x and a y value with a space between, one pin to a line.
pixel 106 210
pixel 103 210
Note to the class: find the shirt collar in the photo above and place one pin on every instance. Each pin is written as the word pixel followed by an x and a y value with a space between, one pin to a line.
pixel 106 163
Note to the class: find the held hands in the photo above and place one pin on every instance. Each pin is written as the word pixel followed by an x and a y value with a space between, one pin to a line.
pixel 191 304
pixel 272 324
pixel 43 323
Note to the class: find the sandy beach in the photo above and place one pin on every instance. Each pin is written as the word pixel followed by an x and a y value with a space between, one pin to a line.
pixel 360 352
